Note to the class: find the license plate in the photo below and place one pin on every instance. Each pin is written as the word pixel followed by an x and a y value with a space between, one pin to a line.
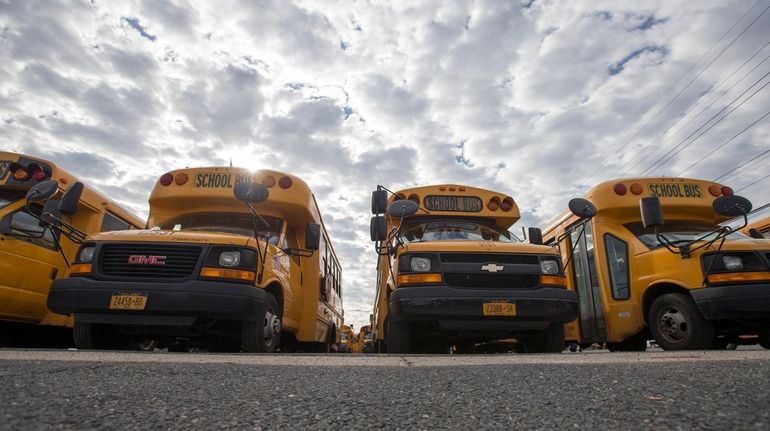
pixel 4 169
pixel 128 301
pixel 499 308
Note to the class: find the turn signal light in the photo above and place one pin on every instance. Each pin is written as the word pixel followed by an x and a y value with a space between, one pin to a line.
pixel 414 198
pixel 637 188
pixel 80 268
pixel 19 173
pixel 232 274
pixel 739 276
pixel 506 204
pixel 715 190
pixel 620 189
pixel 37 172
pixel 418 278
pixel 166 179
pixel 554 280
pixel 727 191
pixel 285 182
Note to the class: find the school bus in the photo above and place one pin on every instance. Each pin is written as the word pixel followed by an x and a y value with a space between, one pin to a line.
pixel 684 281
pixel 220 268
pixel 450 273
pixel 32 254
pixel 346 340
pixel 365 342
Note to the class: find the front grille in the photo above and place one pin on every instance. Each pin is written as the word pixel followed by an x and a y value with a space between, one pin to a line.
pixel 180 260
pixel 517 259
pixel 496 281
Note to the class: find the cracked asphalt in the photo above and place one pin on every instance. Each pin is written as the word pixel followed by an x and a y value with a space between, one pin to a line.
pixel 121 390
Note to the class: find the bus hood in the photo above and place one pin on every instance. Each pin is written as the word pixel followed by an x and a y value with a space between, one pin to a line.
pixel 173 236
pixel 477 247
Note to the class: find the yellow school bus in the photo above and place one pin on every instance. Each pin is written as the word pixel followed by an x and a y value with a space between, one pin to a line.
pixel 32 255
pixel 346 340
pixel 221 268
pixel 450 273
pixel 364 341
pixel 682 280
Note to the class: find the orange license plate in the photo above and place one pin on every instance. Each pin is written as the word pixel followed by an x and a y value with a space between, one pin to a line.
pixel 499 308
pixel 128 301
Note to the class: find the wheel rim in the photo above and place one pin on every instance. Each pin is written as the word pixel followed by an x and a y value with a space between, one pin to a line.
pixel 673 325
pixel 272 328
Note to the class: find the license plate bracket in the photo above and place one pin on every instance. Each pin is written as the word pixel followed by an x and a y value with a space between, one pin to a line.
pixel 128 301
pixel 499 308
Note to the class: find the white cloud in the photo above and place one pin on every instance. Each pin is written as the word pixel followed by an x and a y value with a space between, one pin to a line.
pixel 527 97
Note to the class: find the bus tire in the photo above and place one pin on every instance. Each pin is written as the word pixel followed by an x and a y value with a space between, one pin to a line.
pixel 549 341
pixel 634 343
pixel 92 336
pixel 263 334
pixel 677 324
pixel 764 342
pixel 397 336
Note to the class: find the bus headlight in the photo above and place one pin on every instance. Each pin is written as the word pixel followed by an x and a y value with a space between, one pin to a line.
pixel 420 264
pixel 732 263
pixel 549 266
pixel 86 254
pixel 230 258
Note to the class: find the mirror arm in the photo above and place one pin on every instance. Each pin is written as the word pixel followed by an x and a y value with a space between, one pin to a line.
pixel 708 270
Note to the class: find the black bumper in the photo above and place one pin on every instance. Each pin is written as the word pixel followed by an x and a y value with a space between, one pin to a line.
pixel 167 303
pixel 442 303
pixel 734 302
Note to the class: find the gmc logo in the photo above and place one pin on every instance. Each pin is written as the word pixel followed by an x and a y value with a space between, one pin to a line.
pixel 146 260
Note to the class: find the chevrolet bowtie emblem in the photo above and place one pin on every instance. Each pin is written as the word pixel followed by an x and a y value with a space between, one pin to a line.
pixel 491 267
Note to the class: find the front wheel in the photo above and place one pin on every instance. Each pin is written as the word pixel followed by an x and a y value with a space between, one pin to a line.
pixel 549 341
pixel 93 336
pixel 677 324
pixel 765 342
pixel 263 334
pixel 397 337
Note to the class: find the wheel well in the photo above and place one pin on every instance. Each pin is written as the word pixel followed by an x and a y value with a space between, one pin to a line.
pixel 275 290
pixel 655 291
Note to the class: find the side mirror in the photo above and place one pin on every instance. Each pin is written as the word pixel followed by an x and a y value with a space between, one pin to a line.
pixel 535 235
pixel 42 191
pixel 5 224
pixel 378 228
pixel 582 208
pixel 753 232
pixel 402 208
pixel 732 206
pixel 251 193
pixel 379 201
pixel 70 199
pixel 51 212
pixel 652 213
pixel 312 236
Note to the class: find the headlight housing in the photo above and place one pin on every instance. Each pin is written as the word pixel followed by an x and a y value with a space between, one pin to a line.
pixel 86 254
pixel 549 266
pixel 230 258
pixel 732 263
pixel 419 264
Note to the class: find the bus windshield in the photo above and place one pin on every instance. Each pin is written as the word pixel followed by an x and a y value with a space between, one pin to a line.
pixel 8 197
pixel 368 336
pixel 269 228
pixel 678 231
pixel 453 230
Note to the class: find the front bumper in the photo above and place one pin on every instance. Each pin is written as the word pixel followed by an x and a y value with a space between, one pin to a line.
pixel 535 308
pixel 168 304
pixel 734 302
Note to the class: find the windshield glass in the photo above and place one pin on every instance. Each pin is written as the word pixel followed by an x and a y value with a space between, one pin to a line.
pixel 678 232
pixel 8 197
pixel 269 228
pixel 453 230
pixel 368 336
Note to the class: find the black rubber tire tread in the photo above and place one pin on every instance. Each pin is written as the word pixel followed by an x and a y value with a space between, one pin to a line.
pixel 549 341
pixel 397 337
pixel 252 331
pixel 701 332
pixel 634 343
pixel 764 342
pixel 93 336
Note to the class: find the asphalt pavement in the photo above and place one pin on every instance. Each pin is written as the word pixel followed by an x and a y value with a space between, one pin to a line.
pixel 121 390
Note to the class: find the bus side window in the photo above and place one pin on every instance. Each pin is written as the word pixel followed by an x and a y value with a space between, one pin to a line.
pixel 617 262
pixel 290 241
pixel 111 223
pixel 26 226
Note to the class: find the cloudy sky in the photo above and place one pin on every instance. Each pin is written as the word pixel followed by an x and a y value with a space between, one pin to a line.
pixel 539 99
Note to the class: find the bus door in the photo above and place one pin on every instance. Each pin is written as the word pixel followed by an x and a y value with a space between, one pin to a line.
pixel 29 262
pixel 296 280
pixel 593 325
